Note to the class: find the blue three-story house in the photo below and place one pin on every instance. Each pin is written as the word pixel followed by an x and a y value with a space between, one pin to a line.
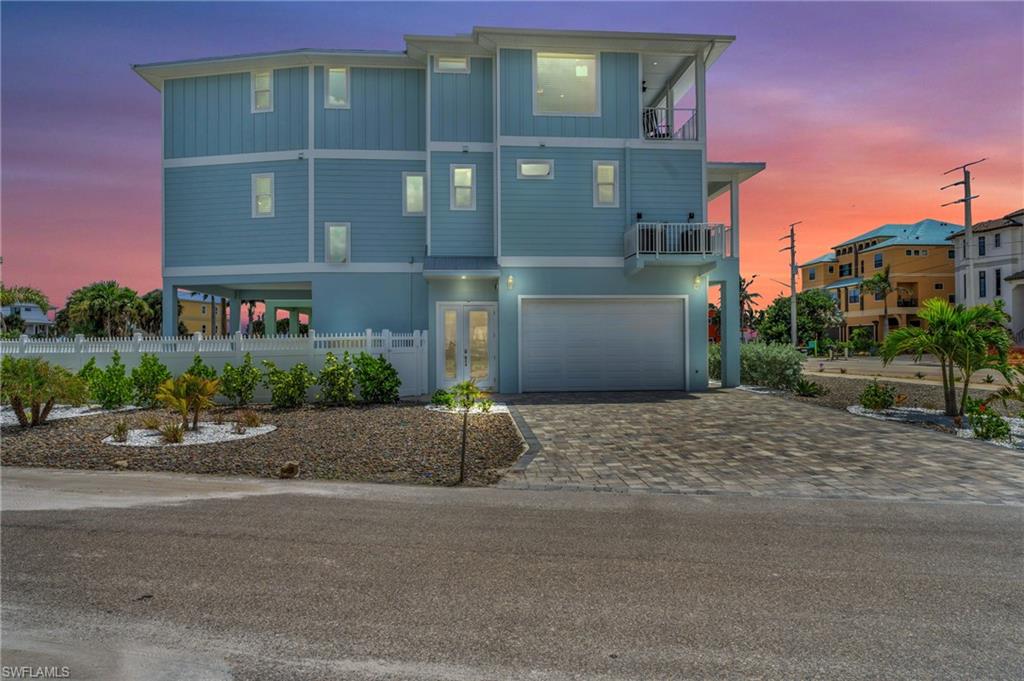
pixel 536 200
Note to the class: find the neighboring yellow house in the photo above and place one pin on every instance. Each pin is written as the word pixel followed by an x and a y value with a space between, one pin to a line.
pixel 200 312
pixel 920 261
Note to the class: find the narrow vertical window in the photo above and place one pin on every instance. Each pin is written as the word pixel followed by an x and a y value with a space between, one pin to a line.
pixel 414 194
pixel 263 195
pixel 336 84
pixel 878 260
pixel 982 285
pixel 336 243
pixel 463 187
pixel 997 240
pixel 262 91
pixel 606 184
pixel 998 277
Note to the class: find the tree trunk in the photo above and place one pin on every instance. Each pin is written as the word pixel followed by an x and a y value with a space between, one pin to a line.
pixel 195 418
pixel 46 410
pixel 35 413
pixel 19 411
pixel 948 388
pixel 885 317
pixel 462 456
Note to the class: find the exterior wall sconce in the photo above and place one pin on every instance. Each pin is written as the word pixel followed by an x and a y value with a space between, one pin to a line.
pixel 696 281
pixel 510 282
pixel 463 276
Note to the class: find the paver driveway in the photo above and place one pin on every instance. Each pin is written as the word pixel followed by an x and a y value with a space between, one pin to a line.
pixel 732 441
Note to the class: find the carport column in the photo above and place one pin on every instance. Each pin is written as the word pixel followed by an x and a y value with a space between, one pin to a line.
pixel 170 309
pixel 730 332
pixel 293 322
pixel 213 317
pixel 236 314
pixel 269 318
pixel 734 218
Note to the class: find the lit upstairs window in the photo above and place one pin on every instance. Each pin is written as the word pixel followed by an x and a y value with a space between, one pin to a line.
pixel 262 91
pixel 565 84
pixel 336 95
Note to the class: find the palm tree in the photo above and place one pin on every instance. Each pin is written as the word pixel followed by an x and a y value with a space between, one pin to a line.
pixel 747 298
pixel 963 340
pixel 107 307
pixel 881 285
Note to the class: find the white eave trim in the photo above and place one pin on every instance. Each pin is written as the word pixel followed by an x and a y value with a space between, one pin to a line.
pixel 559 261
pixel 291 268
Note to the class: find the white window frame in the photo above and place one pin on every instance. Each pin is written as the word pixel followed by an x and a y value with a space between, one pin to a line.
pixel 461 69
pixel 273 198
pixel 327 87
pixel 521 161
pixel 252 91
pixel 405 194
pixel 451 185
pixel 597 75
pixel 348 242
pixel 615 184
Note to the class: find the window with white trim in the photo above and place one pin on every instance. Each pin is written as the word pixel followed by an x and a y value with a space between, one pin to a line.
pixel 414 193
pixel 463 186
pixel 606 184
pixel 263 195
pixel 336 88
pixel 337 242
pixel 451 64
pixel 262 91
pixel 535 169
pixel 565 84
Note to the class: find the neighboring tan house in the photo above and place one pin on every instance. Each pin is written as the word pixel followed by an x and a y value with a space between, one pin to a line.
pixel 992 266
pixel 920 262
pixel 537 200
pixel 36 321
pixel 202 312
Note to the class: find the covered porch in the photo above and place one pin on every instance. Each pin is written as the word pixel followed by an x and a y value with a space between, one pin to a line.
pixel 295 298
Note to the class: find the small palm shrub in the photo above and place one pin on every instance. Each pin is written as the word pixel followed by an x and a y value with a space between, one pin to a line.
pixel 120 432
pixel 337 380
pixel 201 369
pixel 288 388
pixel 377 379
pixel 173 433
pixel 985 422
pixel 33 386
pixel 806 388
pixel 238 384
pixel 249 418
pixel 770 365
pixel 877 396
pixel 112 388
pixel 146 379
pixel 151 422
pixel 443 398
pixel 187 395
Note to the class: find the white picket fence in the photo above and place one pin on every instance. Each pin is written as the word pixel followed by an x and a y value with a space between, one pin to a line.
pixel 407 352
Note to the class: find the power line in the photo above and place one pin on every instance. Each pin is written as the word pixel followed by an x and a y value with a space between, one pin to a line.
pixel 792 279
pixel 966 200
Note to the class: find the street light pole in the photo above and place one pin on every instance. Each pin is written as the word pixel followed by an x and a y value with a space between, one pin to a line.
pixel 968 255
pixel 792 280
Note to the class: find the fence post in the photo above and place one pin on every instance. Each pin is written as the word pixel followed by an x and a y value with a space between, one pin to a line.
pixel 423 343
pixel 197 338
pixel 310 347
pixel 137 343
pixel 24 343
pixel 238 347
pixel 385 339
pixel 369 342
pixel 80 349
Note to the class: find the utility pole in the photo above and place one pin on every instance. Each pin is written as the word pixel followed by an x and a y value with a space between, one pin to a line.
pixel 968 233
pixel 792 280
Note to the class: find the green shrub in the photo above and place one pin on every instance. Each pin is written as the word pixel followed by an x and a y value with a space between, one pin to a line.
pixel 770 365
pixel 146 379
pixel 861 339
pixel 443 398
pixel 112 388
pixel 120 432
pixel 877 396
pixel 90 373
pixel 715 361
pixel 238 384
pixel 36 385
pixel 173 432
pixel 288 388
pixel 151 421
pixel 985 422
pixel 377 379
pixel 200 369
pixel 188 394
pixel 337 380
pixel 806 388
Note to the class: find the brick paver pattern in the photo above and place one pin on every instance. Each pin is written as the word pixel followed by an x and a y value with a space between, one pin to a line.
pixel 736 442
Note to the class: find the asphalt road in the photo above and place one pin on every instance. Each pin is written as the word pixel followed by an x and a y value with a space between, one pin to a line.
pixel 376 582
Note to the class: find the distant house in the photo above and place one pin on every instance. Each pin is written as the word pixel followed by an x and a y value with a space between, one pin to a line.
pixel 36 321
pixel 202 312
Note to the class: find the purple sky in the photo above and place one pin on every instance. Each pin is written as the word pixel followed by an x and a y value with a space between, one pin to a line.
pixel 857 109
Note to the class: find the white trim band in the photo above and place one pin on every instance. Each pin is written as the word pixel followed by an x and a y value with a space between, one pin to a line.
pixel 291 268
pixel 559 261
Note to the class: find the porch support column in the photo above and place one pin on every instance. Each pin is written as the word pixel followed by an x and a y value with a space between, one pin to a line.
pixel 734 218
pixel 170 309
pixel 293 322
pixel 701 96
pixel 730 332
pixel 269 319
pixel 235 319
pixel 213 317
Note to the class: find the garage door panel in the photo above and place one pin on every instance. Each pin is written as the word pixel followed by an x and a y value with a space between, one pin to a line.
pixel 603 344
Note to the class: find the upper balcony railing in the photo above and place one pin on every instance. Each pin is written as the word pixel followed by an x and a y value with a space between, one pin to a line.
pixel 677 238
pixel 665 123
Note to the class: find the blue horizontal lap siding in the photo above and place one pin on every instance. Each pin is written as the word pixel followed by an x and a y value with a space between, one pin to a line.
pixel 462 104
pixel 557 217
pixel 387 111
pixel 208 215
pixel 368 194
pixel 665 184
pixel 212 115
pixel 619 92
pixel 461 232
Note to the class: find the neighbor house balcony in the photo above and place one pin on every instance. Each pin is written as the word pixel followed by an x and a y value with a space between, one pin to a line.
pixel 667 123
pixel 675 244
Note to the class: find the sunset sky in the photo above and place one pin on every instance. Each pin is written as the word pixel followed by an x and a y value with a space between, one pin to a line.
pixel 856 108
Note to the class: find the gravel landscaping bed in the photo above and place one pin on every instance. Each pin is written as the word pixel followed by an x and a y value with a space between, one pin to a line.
pixel 843 392
pixel 8 418
pixel 207 433
pixel 395 443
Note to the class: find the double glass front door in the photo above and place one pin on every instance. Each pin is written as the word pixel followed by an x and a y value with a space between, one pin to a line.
pixel 467 344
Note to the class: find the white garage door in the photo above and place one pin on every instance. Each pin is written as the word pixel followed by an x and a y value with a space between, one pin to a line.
pixel 602 344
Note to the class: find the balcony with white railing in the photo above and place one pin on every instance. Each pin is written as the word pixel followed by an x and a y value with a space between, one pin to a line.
pixel 668 123
pixel 675 243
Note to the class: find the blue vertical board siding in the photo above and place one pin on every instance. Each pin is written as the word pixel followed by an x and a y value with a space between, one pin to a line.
pixel 208 215
pixel 387 111
pixel 212 115
pixel 557 216
pixel 462 104
pixel 348 302
pixel 619 96
pixel 368 195
pixel 461 232
pixel 665 184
